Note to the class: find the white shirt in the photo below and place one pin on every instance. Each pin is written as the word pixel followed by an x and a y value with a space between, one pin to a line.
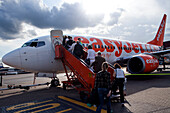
pixel 91 54
pixel 119 73
pixel 72 47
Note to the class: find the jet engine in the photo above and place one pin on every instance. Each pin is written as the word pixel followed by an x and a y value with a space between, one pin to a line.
pixel 142 64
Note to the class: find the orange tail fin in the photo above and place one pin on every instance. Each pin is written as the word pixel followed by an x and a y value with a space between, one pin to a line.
pixel 158 40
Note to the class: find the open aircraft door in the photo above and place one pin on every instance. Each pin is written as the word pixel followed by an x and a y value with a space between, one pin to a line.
pixel 56 40
pixel 56 37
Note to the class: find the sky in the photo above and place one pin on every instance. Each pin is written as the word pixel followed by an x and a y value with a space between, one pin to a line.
pixel 132 20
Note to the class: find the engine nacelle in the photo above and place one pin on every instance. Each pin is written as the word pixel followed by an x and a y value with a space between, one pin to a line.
pixel 142 64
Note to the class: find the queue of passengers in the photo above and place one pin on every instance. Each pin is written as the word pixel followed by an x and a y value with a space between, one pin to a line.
pixel 103 85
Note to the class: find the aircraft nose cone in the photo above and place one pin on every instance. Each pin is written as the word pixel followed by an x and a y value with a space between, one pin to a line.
pixel 12 59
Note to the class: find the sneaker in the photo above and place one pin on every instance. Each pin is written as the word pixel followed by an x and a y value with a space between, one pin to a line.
pixel 114 96
pixel 123 104
pixel 88 104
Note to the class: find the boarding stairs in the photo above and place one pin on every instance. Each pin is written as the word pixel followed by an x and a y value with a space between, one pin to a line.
pixel 80 73
pixel 81 77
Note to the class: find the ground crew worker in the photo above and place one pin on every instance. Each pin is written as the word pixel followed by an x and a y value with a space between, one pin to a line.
pixel 97 64
pixel 119 80
pixel 103 86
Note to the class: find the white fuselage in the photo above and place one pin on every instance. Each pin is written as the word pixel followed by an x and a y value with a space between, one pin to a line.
pixel 42 58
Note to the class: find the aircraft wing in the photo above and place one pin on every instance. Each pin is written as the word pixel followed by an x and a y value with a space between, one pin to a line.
pixel 124 60
pixel 158 53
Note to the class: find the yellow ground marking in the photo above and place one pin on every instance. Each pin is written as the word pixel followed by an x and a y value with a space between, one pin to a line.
pixel 53 105
pixel 26 105
pixel 64 110
pixel 151 74
pixel 80 104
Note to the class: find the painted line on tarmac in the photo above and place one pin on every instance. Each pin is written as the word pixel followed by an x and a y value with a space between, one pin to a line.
pixel 150 74
pixel 65 110
pixel 19 106
pixel 80 104
pixel 51 105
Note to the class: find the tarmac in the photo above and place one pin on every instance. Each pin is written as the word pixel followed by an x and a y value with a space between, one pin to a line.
pixel 145 94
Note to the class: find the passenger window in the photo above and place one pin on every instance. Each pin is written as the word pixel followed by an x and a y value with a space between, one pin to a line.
pixel 95 46
pixel 99 46
pixel 41 43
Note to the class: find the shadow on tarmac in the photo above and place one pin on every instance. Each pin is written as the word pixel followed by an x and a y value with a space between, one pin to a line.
pixel 135 84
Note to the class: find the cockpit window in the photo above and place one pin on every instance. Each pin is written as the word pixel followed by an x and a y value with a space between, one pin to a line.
pixel 34 44
pixel 26 44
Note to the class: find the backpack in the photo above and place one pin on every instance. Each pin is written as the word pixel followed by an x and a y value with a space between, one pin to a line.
pixel 78 50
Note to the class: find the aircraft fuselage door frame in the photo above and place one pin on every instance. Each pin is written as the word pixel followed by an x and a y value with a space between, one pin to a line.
pixel 56 37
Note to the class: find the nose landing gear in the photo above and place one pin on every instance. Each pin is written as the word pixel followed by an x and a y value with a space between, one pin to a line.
pixel 55 82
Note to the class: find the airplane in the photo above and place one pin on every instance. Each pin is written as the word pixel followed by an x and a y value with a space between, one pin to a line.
pixel 38 55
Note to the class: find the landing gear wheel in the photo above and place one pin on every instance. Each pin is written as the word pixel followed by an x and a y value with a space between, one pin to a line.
pixel 55 82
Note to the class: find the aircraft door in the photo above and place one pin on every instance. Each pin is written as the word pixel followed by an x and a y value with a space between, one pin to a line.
pixel 56 37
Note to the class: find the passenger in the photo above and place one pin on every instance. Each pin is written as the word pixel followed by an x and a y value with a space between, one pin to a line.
pixel 119 80
pixel 69 42
pixel 64 40
pixel 71 49
pixel 103 86
pixel 78 50
pixel 79 39
pixel 90 55
pixel 97 64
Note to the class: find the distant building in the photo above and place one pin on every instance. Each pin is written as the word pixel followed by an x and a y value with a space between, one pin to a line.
pixel 167 56
pixel 1 65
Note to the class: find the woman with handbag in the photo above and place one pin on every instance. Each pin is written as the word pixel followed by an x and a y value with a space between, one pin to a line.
pixel 119 80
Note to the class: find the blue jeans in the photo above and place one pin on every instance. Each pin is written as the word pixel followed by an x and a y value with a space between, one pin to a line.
pixel 102 92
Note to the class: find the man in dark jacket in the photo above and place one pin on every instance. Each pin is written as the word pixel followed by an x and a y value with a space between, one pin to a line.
pixel 69 42
pixel 78 50
pixel 97 64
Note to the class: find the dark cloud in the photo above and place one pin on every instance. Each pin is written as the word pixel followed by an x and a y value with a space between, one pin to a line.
pixel 114 17
pixel 15 12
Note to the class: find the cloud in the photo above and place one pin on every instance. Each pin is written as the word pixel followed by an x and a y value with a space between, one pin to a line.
pixel 34 12
pixel 114 17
